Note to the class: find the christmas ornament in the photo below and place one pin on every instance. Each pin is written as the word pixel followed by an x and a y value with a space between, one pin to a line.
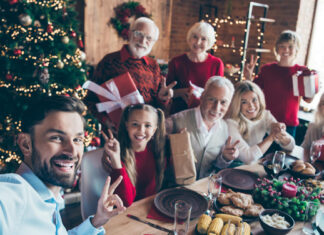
pixel 37 23
pixel 49 27
pixel 17 52
pixel 25 19
pixel 80 43
pixel 82 55
pixel 43 76
pixel 11 2
pixel 65 39
pixel 60 64
pixel 9 77
pixel 95 142
pixel 73 33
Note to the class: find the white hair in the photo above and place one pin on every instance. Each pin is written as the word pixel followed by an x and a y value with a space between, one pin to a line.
pixel 220 82
pixel 145 20
pixel 204 29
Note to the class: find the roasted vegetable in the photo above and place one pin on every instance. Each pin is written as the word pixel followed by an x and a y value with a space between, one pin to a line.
pixel 215 227
pixel 203 223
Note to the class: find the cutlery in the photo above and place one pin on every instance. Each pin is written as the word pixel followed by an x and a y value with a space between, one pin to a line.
pixel 150 224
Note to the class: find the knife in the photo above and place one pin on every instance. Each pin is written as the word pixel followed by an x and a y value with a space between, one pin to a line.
pixel 150 224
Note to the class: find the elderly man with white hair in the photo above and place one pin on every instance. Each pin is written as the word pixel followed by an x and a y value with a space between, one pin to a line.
pixel 133 58
pixel 208 131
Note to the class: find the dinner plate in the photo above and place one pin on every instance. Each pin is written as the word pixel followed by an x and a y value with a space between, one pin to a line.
pixel 238 179
pixel 166 199
pixel 303 176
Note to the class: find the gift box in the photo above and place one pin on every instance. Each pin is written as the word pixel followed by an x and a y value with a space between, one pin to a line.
pixel 114 95
pixel 305 83
pixel 183 158
pixel 194 99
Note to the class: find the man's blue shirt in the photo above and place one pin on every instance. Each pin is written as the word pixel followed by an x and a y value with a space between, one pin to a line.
pixel 27 206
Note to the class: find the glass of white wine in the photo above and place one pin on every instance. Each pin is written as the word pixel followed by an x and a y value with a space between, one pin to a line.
pixel 278 162
pixel 214 188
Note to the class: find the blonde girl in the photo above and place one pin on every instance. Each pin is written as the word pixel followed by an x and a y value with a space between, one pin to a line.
pixel 139 154
pixel 249 121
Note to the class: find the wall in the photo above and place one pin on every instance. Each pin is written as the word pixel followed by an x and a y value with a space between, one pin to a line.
pixel 101 38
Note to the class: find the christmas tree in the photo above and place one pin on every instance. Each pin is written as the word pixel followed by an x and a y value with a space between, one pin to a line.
pixel 40 53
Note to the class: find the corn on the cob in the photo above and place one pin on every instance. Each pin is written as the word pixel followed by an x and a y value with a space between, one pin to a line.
pixel 234 219
pixel 215 227
pixel 203 223
pixel 243 229
pixel 228 229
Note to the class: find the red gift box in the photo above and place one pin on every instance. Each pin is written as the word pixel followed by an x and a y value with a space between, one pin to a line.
pixel 115 94
pixel 305 83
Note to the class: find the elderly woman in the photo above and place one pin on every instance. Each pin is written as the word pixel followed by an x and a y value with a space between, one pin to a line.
pixel 254 126
pixel 195 66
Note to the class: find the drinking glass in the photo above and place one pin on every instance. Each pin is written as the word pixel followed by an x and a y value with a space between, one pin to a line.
pixel 315 151
pixel 310 212
pixel 278 161
pixel 182 212
pixel 214 188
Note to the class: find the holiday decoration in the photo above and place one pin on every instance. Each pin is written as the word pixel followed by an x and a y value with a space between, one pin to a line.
pixel 124 12
pixel 38 56
pixel 305 83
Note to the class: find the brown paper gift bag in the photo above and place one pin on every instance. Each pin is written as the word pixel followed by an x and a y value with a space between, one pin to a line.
pixel 183 158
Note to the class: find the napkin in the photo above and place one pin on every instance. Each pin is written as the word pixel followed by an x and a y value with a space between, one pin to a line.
pixel 155 214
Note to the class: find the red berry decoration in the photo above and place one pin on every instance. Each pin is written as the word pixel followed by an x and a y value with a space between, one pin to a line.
pixel 17 52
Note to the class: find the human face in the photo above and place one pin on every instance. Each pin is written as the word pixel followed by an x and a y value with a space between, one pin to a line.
pixel 250 105
pixel 57 148
pixel 287 52
pixel 141 126
pixel 198 43
pixel 321 107
pixel 214 104
pixel 142 40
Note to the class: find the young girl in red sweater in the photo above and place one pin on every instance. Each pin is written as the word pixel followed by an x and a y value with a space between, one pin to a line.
pixel 138 156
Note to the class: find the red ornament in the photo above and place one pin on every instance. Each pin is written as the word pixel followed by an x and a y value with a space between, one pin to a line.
pixel 49 28
pixel 9 77
pixel 86 134
pixel 80 43
pixel 78 87
pixel 67 95
pixel 95 142
pixel 11 2
pixel 73 34
pixel 289 190
pixel 17 52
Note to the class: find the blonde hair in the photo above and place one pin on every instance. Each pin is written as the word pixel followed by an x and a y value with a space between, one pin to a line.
pixel 234 111
pixel 319 118
pixel 204 29
pixel 287 36
pixel 157 141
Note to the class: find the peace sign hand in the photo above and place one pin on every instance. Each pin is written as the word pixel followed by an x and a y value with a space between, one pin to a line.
pixel 230 151
pixel 166 92
pixel 249 67
pixel 112 150
pixel 109 204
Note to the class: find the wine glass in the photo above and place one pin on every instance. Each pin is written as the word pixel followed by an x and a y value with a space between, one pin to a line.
pixel 278 161
pixel 310 213
pixel 214 188
pixel 315 151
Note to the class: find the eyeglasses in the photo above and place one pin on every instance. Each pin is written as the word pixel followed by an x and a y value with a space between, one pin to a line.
pixel 139 34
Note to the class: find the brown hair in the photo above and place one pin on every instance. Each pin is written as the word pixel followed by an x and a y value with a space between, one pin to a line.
pixel 287 36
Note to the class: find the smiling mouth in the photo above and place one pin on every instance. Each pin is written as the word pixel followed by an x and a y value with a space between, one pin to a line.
pixel 140 138
pixel 64 165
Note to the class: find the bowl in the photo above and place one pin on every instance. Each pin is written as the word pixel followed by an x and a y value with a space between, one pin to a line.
pixel 267 167
pixel 272 230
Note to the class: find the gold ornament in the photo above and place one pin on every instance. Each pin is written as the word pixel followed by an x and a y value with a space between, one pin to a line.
pixel 65 39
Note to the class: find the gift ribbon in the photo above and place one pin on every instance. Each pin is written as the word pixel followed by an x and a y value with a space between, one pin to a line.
pixel 113 95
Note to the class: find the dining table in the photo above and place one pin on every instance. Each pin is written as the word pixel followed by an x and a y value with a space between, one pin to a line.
pixel 122 224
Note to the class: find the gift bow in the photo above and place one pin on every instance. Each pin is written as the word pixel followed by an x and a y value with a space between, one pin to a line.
pixel 112 94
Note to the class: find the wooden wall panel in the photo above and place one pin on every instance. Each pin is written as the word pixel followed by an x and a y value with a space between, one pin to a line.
pixel 101 38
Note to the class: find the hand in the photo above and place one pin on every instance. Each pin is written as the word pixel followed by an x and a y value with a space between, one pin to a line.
pixel 109 204
pixel 230 151
pixel 112 150
pixel 249 67
pixel 183 93
pixel 166 92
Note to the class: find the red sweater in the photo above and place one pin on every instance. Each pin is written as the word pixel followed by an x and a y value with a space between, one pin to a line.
pixel 276 83
pixel 146 176
pixel 183 70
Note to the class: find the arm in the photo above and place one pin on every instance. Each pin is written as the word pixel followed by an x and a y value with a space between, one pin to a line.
pixel 247 153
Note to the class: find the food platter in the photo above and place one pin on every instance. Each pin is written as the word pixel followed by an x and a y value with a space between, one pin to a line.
pixel 166 199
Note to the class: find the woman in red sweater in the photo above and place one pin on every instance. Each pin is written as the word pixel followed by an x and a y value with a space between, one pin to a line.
pixel 195 66
pixel 139 154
